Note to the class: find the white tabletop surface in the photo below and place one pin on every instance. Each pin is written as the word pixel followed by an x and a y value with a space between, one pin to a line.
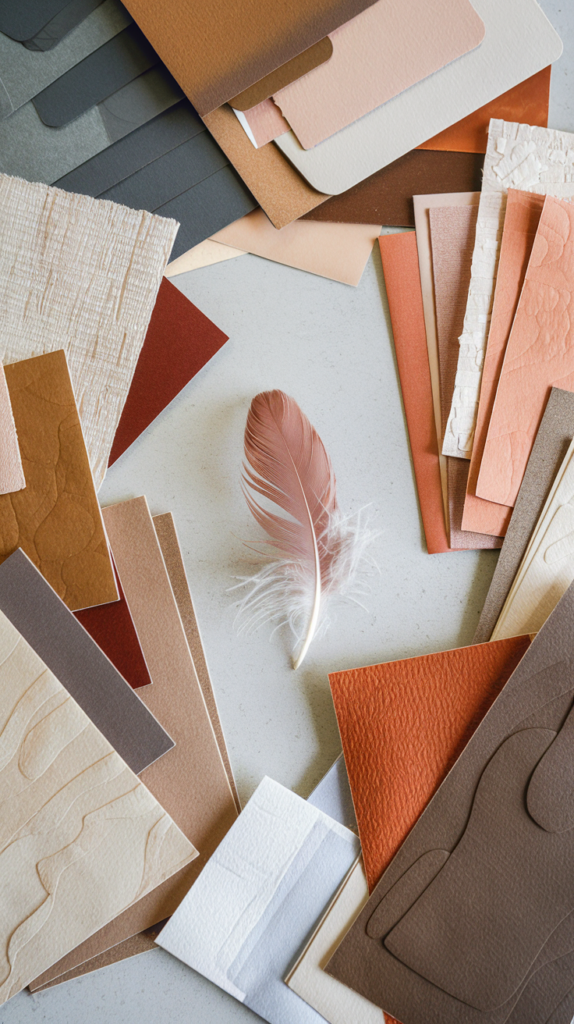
pixel 328 345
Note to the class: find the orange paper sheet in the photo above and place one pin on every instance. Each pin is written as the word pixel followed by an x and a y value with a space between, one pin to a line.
pixel 539 354
pixel 523 212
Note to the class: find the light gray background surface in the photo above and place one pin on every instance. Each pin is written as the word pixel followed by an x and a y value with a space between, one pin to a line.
pixel 328 345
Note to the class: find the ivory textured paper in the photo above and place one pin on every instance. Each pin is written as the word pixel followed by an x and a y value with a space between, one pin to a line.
pixel 92 293
pixel 521 220
pixel 522 157
pixel 191 783
pixel 552 441
pixel 82 837
pixel 202 255
pixel 374 59
pixel 403 724
pixel 256 901
pixel 336 251
pixel 519 41
pixel 540 353
pixel 334 1001
pixel 71 654
pixel 11 472
pixel 56 518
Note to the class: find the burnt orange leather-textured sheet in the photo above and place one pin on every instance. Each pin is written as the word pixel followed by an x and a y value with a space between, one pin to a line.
pixel 403 724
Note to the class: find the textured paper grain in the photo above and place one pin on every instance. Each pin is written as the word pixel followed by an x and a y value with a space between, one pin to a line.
pixel 71 654
pixel 283 75
pixel 523 211
pixel 180 340
pixel 24 73
pixel 530 711
pixel 202 255
pixel 192 783
pixel 91 294
pixel 336 251
pixel 402 281
pixel 258 898
pixel 375 59
pixel 56 518
pixel 334 1001
pixel 519 41
pixel 403 724
pixel 554 435
pixel 82 837
pixel 518 156
pixel 539 354
pixel 11 472
pixel 239 46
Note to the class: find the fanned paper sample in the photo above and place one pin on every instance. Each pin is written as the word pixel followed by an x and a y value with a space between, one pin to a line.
pixel 258 898
pixel 70 653
pixel 55 518
pixel 336 251
pixel 522 157
pixel 82 837
pixel 374 59
pixel 11 472
pixel 112 628
pixel 69 15
pixel 519 41
pixel 262 123
pixel 402 280
pixel 203 255
pixel 191 783
pixel 180 340
pixel 476 906
pixel 552 440
pixel 25 20
pixel 521 220
pixel 539 353
pixel 244 43
pixel 92 294
pixel 403 724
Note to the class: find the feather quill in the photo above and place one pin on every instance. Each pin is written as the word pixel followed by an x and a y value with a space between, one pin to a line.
pixel 317 551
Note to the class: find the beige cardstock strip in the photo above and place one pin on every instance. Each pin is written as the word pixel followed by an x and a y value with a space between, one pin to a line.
pixel 202 255
pixel 11 472
pixel 81 838
pixel 329 997
pixel 519 156
pixel 191 782
pixel 89 288
pixel 336 251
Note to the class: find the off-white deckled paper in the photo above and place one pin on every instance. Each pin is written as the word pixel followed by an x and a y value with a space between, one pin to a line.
pixel 547 569
pixel 259 897
pixel 11 472
pixel 329 997
pixel 81 837
pixel 518 156
pixel 80 274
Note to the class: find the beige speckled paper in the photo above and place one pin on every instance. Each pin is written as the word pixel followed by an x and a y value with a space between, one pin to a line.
pixel 81 837
pixel 518 156
pixel 11 471
pixel 80 274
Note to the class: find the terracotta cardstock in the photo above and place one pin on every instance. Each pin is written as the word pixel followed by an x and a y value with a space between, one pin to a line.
pixel 82 837
pixel 237 44
pixel 56 518
pixel 375 59
pixel 68 650
pixel 539 354
pixel 552 440
pixel 192 784
pixel 11 473
pixel 112 628
pixel 92 293
pixel 521 220
pixel 486 864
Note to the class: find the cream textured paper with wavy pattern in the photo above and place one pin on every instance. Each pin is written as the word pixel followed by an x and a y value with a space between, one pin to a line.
pixel 80 274
pixel 518 156
pixel 81 838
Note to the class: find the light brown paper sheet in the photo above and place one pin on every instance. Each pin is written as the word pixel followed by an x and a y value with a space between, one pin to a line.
pixel 190 781
pixel 11 472
pixel 283 75
pixel 56 518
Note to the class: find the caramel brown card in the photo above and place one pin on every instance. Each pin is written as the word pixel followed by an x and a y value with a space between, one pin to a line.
pixel 485 876
pixel 554 435
pixel 56 518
